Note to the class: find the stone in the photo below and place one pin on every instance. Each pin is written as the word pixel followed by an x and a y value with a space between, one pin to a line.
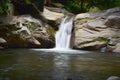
pixel 96 30
pixel 2 41
pixel 117 48
pixel 113 21
pixel 113 78
pixel 52 16
pixel 20 31
pixel 58 10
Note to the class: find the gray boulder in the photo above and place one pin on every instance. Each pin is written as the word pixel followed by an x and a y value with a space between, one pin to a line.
pixel 97 30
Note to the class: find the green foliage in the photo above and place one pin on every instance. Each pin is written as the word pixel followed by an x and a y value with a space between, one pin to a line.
pixel 73 7
pixel 51 31
pixel 103 4
pixel 23 1
pixel 38 3
pixel 80 6
pixel 4 7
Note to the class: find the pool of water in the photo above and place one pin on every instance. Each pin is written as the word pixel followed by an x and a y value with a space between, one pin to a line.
pixel 29 64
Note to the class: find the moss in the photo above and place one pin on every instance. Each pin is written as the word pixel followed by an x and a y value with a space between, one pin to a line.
pixel 51 31
pixel 93 9
pixel 102 39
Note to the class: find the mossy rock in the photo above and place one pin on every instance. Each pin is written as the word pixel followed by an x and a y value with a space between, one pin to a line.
pixel 51 31
pixel 103 39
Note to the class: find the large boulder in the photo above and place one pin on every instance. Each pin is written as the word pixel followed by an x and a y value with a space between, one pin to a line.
pixel 24 31
pixel 98 30
pixel 52 17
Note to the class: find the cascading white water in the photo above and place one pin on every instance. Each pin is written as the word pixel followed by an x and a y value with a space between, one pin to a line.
pixel 63 39
pixel 63 35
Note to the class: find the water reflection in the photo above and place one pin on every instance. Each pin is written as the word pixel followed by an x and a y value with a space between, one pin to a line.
pixel 36 65
pixel 61 67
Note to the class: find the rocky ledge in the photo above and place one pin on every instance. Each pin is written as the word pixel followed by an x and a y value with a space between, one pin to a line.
pixel 24 31
pixel 98 30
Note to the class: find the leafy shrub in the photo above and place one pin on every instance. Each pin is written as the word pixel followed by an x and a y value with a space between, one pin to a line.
pixel 4 7
pixel 80 6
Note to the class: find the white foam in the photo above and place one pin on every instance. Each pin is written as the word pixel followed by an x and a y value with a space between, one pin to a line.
pixel 63 35
pixel 63 39
pixel 62 50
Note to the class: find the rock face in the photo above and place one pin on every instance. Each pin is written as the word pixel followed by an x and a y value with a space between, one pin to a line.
pixel 24 31
pixel 98 30
pixel 52 18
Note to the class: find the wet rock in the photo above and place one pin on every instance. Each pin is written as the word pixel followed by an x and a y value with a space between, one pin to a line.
pixel 117 48
pixel 2 41
pixel 113 78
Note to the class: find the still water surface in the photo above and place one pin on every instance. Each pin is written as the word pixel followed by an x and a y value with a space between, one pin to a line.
pixel 25 64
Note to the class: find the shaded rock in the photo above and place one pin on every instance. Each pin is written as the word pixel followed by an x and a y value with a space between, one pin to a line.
pixel 20 31
pixel 117 48
pixel 97 30
pixel 36 9
pixel 113 44
pixel 113 78
pixel 113 21
pixel 33 7
pixel 1 47
pixel 2 41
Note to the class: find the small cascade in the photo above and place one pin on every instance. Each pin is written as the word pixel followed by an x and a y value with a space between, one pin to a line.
pixel 63 35
pixel 63 38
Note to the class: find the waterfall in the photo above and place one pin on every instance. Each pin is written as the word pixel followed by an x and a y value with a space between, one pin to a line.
pixel 63 38
pixel 63 35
